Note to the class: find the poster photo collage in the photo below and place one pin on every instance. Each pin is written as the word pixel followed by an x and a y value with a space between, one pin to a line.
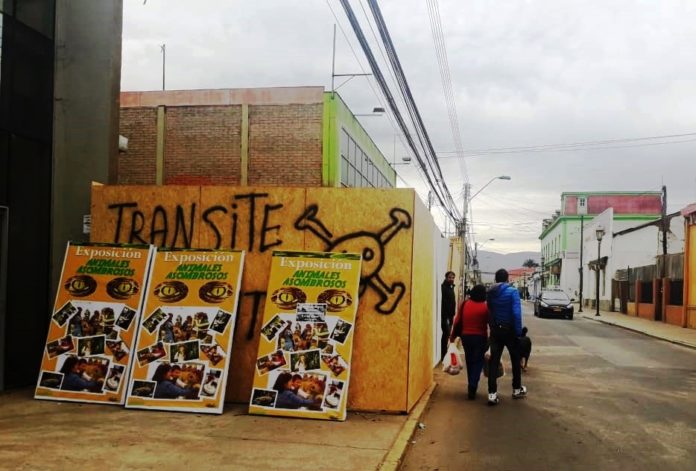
pixel 185 339
pixel 303 365
pixel 102 348
pixel 92 329
pixel 153 328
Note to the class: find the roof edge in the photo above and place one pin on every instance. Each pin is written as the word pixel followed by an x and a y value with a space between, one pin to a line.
pixel 223 96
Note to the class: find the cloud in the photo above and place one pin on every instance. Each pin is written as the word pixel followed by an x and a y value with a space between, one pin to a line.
pixel 523 72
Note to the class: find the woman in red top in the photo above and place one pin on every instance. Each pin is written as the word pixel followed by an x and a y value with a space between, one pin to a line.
pixel 471 324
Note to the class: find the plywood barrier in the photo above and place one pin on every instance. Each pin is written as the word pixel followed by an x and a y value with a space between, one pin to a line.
pixel 391 361
pixel 423 284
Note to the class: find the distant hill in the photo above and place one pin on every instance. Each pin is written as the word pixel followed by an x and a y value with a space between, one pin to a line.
pixel 492 261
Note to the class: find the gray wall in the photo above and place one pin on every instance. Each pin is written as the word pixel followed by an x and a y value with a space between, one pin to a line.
pixel 85 124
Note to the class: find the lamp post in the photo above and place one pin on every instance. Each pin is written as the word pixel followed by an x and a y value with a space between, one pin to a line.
pixel 599 233
pixel 462 225
pixel 477 265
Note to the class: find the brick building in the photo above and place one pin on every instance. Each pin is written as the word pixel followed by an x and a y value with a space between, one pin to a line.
pixel 300 136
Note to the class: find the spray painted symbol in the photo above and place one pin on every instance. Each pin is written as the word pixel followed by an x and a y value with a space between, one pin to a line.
pixel 372 251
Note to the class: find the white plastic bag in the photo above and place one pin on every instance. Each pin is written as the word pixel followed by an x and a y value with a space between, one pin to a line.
pixel 453 362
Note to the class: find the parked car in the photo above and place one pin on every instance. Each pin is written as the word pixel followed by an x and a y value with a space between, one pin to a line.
pixel 551 303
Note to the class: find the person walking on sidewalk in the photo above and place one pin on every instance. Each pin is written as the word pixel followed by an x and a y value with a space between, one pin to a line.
pixel 448 304
pixel 506 326
pixel 471 324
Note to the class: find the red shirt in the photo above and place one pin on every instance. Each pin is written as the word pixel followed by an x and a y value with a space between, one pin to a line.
pixel 472 318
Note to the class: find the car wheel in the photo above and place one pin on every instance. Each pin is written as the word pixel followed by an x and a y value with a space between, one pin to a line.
pixel 570 317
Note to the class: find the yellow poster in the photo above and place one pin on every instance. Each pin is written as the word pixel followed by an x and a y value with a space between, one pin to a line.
pixel 306 342
pixel 184 342
pixel 92 328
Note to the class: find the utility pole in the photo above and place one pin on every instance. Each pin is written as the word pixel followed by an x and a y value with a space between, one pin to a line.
pixel 663 270
pixel 462 237
pixel 581 209
pixel 582 241
pixel 164 60
pixel 664 231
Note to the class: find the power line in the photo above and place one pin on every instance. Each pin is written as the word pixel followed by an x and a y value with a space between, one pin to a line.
pixel 440 187
pixel 587 145
pixel 446 78
pixel 369 82
pixel 380 99
pixel 441 191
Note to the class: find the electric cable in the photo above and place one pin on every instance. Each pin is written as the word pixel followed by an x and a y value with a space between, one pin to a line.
pixel 377 73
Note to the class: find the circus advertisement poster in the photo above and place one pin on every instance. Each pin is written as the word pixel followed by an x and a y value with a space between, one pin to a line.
pixel 91 332
pixel 304 357
pixel 182 355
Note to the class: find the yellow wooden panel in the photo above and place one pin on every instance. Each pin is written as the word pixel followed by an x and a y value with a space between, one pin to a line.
pixel 257 220
pixel 165 216
pixel 377 224
pixel 420 371
pixel 690 263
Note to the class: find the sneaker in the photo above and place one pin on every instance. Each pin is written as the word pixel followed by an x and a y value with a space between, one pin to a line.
pixel 471 393
pixel 519 393
pixel 493 399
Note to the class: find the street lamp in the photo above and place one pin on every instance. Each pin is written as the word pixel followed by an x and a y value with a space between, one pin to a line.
pixel 502 177
pixel 484 242
pixel 477 265
pixel 376 111
pixel 404 161
pixel 462 226
pixel 599 233
pixel 476 247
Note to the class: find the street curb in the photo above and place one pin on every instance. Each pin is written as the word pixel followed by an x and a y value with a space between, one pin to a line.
pixel 392 459
pixel 676 342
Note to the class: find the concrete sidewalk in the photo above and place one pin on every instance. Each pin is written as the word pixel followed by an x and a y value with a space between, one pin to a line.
pixel 656 329
pixel 60 435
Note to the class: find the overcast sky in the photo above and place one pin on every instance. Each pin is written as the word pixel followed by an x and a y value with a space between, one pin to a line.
pixel 524 73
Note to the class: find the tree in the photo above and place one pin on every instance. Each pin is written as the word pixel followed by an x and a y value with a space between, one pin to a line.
pixel 530 263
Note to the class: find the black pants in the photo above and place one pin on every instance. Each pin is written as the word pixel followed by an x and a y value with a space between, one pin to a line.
pixel 446 325
pixel 501 338
pixel 474 349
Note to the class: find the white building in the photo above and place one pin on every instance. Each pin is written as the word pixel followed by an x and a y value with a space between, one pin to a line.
pixel 562 254
pixel 624 244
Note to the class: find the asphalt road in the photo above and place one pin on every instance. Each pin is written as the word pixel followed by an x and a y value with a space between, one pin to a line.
pixel 599 397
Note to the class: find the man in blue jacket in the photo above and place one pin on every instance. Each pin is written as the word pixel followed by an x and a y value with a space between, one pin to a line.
pixel 506 326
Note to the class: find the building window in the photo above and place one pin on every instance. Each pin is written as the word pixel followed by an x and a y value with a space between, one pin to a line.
pixel 357 169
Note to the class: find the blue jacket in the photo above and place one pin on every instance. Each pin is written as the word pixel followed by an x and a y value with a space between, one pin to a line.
pixel 504 306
